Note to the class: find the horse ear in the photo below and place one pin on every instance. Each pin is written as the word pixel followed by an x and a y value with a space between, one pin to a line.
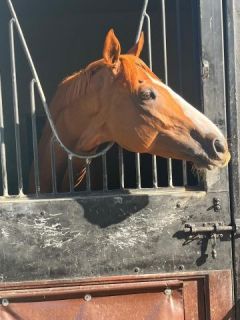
pixel 137 48
pixel 112 48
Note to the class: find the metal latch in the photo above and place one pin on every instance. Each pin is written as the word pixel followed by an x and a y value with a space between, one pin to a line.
pixel 209 230
pixel 206 227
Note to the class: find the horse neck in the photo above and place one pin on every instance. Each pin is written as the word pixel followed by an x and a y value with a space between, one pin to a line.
pixel 83 124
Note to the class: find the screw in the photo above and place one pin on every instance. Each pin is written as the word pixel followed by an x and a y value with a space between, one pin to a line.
pixel 168 292
pixel 136 269
pixel 87 297
pixel 178 205
pixel 5 302
pixel 181 267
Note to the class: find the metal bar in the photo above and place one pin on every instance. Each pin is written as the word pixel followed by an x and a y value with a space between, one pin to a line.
pixel 149 43
pixel 88 175
pixel 121 167
pixel 34 137
pixel 3 147
pixel 53 166
pixel 70 174
pixel 140 26
pixel 41 93
pixel 164 35
pixel 179 46
pixel 138 171
pixel 184 168
pixel 15 107
pixel 105 174
pixel 149 40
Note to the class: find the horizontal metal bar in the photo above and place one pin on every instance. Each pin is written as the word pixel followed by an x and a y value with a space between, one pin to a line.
pixel 3 147
pixel 41 93
pixel 15 107
pixel 214 228
pixel 34 137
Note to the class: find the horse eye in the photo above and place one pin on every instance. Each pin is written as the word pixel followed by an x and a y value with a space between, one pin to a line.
pixel 147 95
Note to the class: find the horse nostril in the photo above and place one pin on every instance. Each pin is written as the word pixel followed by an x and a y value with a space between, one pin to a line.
pixel 219 146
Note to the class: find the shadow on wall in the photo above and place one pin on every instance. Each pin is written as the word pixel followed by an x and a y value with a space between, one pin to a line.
pixel 116 211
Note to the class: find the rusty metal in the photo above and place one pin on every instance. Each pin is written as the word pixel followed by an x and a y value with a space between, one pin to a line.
pixel 192 295
pixel 206 227
pixel 143 301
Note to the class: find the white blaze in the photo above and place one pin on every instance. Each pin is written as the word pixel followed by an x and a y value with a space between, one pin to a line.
pixel 198 118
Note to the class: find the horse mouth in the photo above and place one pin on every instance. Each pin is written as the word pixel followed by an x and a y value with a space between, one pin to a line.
pixel 206 163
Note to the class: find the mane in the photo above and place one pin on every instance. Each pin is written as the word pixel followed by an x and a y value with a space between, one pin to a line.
pixel 77 84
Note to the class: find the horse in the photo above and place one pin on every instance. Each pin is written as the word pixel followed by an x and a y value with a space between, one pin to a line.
pixel 119 99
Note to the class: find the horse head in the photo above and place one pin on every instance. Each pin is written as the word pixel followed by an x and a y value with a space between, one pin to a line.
pixel 118 98
pixel 144 115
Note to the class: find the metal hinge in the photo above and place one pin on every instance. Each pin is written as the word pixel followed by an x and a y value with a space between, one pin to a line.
pixel 205 69
pixel 210 230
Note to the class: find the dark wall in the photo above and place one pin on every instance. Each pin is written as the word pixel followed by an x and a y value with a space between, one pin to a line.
pixel 65 36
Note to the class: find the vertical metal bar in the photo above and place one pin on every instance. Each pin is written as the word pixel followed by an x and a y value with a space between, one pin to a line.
pixel 88 175
pixel 149 42
pixel 53 166
pixel 3 148
pixel 34 137
pixel 140 26
pixel 121 167
pixel 144 8
pixel 138 171
pixel 15 106
pixel 164 35
pixel 105 174
pixel 179 46
pixel 70 173
pixel 184 167
pixel 179 50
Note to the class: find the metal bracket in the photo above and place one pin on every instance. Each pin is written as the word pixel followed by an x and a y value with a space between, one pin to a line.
pixel 205 69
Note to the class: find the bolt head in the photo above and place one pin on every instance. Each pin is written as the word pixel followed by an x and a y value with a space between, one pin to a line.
pixel 5 302
pixel 181 267
pixel 87 297
pixel 167 292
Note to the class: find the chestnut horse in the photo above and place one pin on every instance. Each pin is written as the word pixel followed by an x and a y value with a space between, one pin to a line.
pixel 119 99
